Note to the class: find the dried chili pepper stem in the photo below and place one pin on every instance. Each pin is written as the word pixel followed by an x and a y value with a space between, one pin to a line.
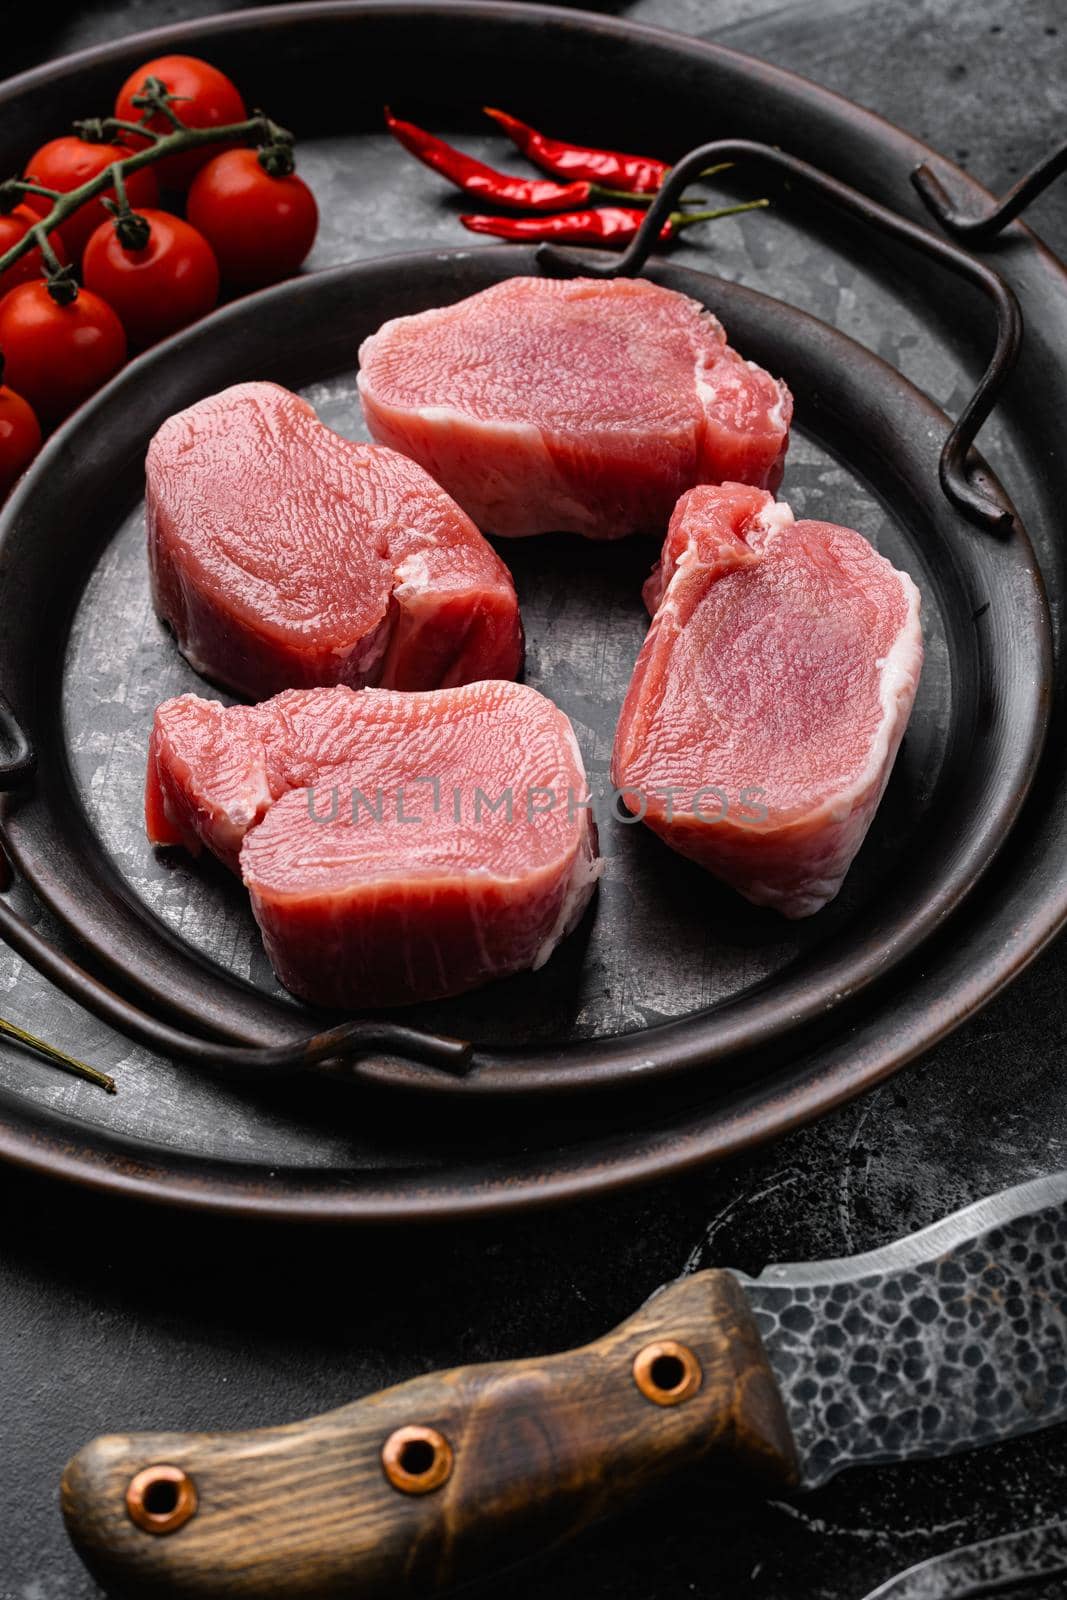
pixel 255 129
pixel 60 1057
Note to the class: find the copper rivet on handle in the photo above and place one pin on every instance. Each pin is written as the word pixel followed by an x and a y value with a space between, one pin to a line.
pixel 417 1460
pixel 667 1372
pixel 161 1499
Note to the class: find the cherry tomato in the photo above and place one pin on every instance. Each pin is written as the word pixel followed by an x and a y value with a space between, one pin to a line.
pixel 13 227
pixel 66 164
pixel 259 227
pixel 20 435
pixel 57 355
pixel 208 100
pixel 156 290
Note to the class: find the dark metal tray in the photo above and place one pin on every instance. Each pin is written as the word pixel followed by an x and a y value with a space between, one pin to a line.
pixel 672 973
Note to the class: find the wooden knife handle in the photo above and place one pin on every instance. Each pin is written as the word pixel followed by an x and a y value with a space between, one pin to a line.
pixel 441 1480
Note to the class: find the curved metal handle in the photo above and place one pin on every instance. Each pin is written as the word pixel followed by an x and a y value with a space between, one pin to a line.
pixel 1011 1561
pixel 980 506
pixel 350 1042
pixel 19 765
pixel 937 200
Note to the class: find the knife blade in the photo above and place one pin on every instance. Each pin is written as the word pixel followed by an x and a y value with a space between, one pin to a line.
pixel 948 1339
pixel 941 1341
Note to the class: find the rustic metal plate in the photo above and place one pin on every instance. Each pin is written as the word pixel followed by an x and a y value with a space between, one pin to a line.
pixel 665 943
pixel 670 969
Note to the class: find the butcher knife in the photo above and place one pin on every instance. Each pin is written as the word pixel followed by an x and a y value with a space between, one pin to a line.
pixel 948 1339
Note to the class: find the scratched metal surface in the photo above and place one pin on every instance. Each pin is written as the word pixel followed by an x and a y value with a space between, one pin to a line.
pixel 111 1317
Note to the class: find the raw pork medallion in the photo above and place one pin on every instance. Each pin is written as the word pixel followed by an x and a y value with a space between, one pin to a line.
pixel 580 405
pixel 770 696
pixel 397 847
pixel 284 556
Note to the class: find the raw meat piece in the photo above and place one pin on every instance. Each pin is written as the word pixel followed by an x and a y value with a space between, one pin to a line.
pixel 312 798
pixel 777 677
pixel 285 557
pixel 577 405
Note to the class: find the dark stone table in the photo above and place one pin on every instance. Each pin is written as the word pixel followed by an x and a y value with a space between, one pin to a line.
pixel 110 1316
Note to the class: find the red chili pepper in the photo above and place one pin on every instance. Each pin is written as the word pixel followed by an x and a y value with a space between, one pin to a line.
pixel 633 174
pixel 527 194
pixel 609 225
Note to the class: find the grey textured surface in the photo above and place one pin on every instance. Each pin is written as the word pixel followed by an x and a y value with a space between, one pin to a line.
pixel 110 1317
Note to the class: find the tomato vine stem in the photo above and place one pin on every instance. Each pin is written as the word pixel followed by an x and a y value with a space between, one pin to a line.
pixel 257 128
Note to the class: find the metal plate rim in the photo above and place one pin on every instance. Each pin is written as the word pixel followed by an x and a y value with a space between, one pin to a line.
pixel 212 1187
pixel 704 1143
